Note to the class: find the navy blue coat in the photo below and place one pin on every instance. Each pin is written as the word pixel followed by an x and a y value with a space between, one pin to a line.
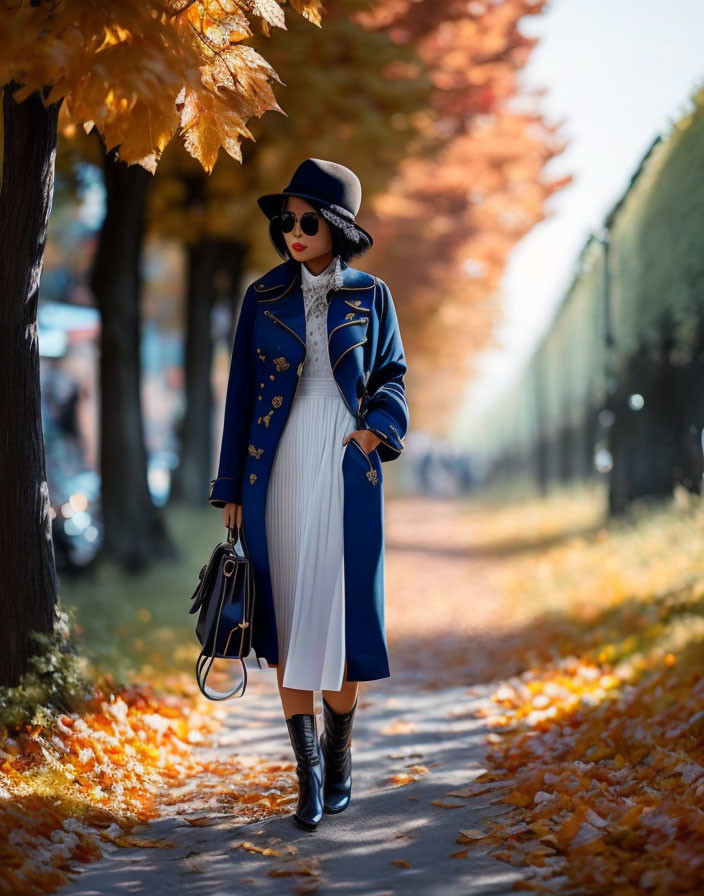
pixel 368 364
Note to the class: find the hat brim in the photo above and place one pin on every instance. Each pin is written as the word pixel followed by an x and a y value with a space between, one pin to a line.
pixel 271 203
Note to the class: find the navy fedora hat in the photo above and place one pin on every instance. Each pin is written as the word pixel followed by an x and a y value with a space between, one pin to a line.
pixel 331 187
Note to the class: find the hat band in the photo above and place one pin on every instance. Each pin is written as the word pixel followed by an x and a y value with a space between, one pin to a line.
pixel 338 209
pixel 341 211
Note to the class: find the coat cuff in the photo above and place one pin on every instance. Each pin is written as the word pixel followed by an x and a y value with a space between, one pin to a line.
pixel 225 490
pixel 392 443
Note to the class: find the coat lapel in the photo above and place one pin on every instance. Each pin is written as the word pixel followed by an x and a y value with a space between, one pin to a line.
pixel 282 301
pixel 349 307
pixel 348 314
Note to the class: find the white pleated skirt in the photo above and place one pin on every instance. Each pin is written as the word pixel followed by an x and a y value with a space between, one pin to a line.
pixel 304 528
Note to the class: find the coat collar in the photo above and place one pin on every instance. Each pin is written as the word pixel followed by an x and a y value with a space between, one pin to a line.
pixel 286 278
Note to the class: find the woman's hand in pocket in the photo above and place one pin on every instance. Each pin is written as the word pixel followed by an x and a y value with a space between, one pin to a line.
pixel 365 438
pixel 232 515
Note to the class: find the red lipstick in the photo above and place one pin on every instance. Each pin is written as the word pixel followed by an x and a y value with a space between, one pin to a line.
pixel 299 247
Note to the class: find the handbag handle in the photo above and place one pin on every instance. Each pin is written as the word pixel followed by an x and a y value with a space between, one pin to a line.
pixel 231 530
pixel 208 691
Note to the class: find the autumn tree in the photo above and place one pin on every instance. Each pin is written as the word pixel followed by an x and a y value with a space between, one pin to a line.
pixel 447 221
pixel 139 72
pixel 199 212
pixel 215 216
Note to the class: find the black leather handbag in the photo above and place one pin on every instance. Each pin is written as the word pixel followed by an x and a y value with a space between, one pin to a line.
pixel 225 598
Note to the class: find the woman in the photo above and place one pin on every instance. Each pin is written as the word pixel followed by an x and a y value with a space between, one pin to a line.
pixel 315 402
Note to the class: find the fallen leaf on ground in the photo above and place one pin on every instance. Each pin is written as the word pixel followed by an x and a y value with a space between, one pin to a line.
pixel 443 805
pixel 127 841
pixel 470 835
pixel 261 850
pixel 401 726
pixel 305 866
pixel 202 822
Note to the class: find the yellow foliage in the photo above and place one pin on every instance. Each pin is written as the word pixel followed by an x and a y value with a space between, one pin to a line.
pixel 599 738
pixel 141 70
pixel 119 761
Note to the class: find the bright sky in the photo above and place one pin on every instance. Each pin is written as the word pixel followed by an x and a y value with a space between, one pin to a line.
pixel 617 73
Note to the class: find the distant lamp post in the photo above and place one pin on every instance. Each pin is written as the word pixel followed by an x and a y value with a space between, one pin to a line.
pixel 603 236
pixel 603 452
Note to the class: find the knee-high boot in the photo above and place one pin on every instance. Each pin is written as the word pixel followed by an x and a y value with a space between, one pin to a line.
pixel 309 769
pixel 335 745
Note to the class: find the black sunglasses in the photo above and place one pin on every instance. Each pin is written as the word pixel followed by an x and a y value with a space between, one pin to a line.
pixel 309 222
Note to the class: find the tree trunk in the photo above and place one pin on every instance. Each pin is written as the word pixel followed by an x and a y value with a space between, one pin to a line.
pixel 134 529
pixel 28 592
pixel 641 438
pixel 190 484
pixel 206 260
pixel 689 459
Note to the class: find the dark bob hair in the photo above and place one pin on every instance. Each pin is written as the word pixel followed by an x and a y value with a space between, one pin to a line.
pixel 347 240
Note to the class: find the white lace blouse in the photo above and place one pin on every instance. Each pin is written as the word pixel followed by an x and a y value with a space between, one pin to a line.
pixel 315 288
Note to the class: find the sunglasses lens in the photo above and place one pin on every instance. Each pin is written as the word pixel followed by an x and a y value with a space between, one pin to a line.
pixel 309 224
pixel 288 221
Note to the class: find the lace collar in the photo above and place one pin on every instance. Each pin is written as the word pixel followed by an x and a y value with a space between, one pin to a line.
pixel 331 277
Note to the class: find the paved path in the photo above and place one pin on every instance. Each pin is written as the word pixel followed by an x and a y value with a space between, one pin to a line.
pixel 448 630
pixel 355 849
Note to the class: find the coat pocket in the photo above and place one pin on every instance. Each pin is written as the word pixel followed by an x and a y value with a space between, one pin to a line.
pixel 371 469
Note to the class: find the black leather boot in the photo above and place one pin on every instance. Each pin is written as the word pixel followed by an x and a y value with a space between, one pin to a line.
pixel 335 745
pixel 309 769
